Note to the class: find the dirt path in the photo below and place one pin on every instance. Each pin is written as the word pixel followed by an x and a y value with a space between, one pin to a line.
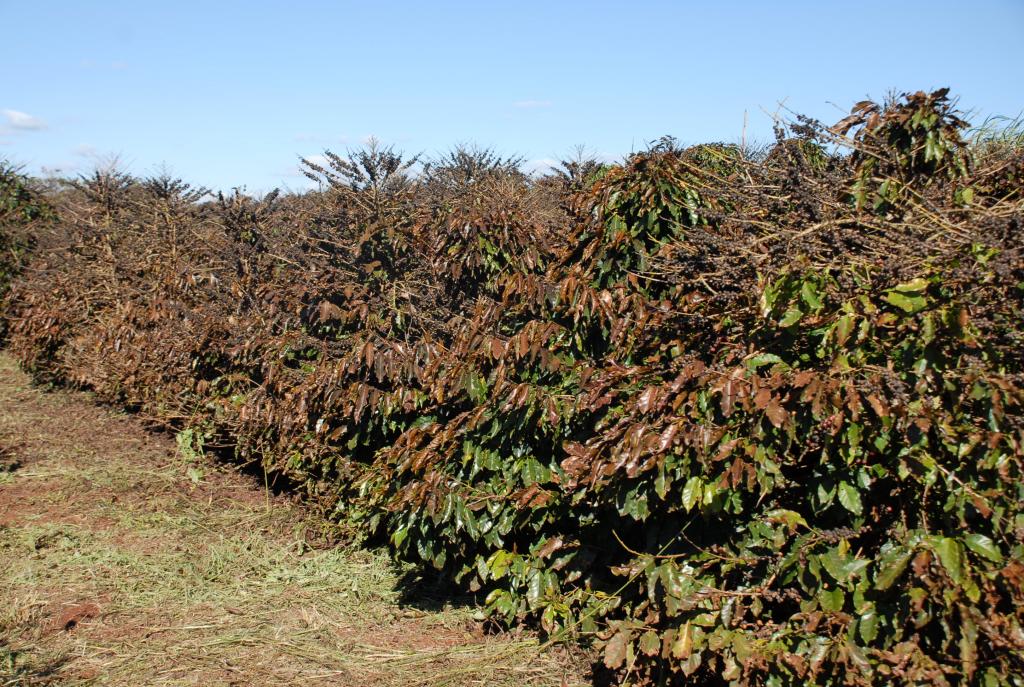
pixel 123 563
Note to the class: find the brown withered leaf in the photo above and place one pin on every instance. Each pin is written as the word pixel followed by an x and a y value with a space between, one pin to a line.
pixel 729 389
pixel 646 400
pixel 578 460
pixel 551 407
pixel 328 312
pixel 879 405
pixel 802 379
pixel 762 398
pixel 615 650
pixel 532 497
pixel 726 450
pixel 853 402
pixel 497 348
pixel 865 106
pixel 796 662
pixel 667 435
pixel 981 506
pixel 846 123
pixel 775 413
pixel 921 563
pixel 734 475
pixel 692 370
pixel 550 546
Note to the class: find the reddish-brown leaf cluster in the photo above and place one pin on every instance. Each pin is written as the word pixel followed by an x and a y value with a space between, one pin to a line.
pixel 735 416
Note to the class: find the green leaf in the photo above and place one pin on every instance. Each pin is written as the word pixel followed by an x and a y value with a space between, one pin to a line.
pixel 683 643
pixel 533 472
pixel 768 298
pixel 833 562
pixel 831 600
pixel 661 485
pixel 790 518
pixel 534 588
pixel 476 386
pixel 850 498
pixel 891 566
pixel 791 317
pixel 951 556
pixel 868 625
pixel 841 566
pixel 912 286
pixel 983 546
pixel 692 492
pixel 499 563
pixel 635 505
pixel 809 293
pixel 650 643
pixel 761 360
pixel 910 304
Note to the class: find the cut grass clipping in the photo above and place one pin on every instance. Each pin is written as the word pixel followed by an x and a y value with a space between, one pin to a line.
pixel 126 563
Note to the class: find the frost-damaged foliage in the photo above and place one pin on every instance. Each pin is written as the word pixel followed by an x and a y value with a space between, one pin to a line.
pixel 906 147
pixel 737 419
pixel 21 207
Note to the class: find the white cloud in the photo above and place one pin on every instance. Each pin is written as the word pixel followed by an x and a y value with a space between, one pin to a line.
pixel 528 104
pixel 22 120
pixel 86 150
pixel 541 165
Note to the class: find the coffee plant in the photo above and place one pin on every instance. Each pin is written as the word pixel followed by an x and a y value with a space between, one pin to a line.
pixel 730 417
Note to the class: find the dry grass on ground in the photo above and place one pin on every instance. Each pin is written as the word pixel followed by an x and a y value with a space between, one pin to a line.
pixel 124 563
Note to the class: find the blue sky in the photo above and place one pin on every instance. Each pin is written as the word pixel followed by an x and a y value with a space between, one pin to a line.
pixel 231 93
